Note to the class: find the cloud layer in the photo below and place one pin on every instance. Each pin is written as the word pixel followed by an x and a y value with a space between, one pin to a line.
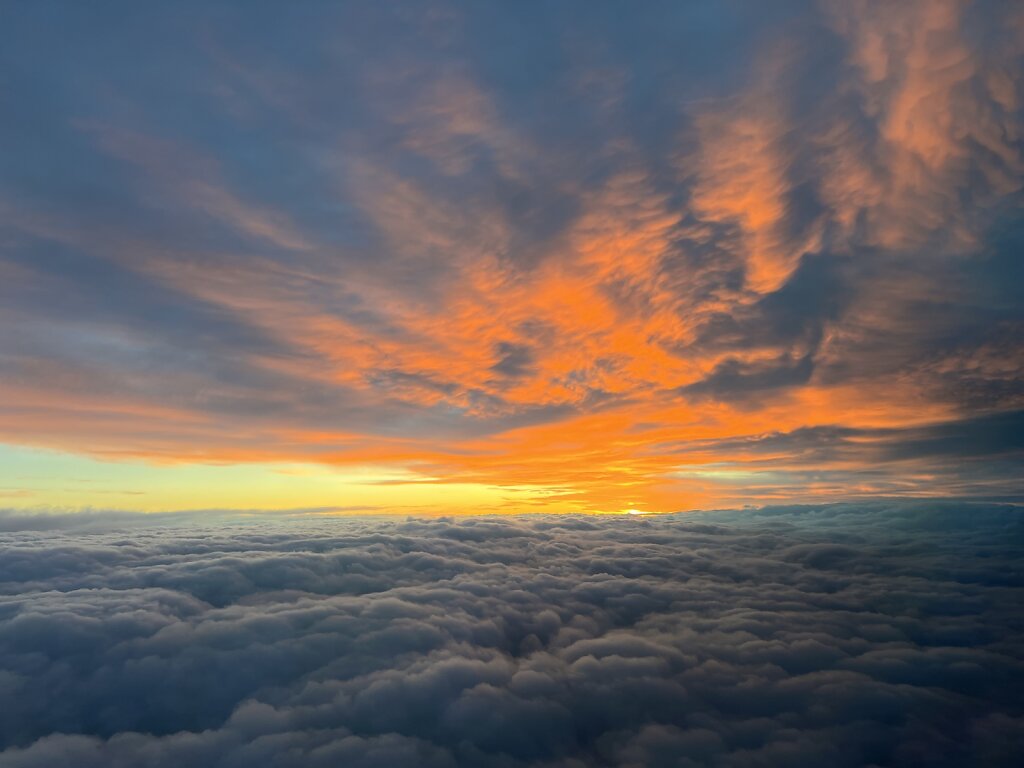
pixel 879 634
pixel 514 246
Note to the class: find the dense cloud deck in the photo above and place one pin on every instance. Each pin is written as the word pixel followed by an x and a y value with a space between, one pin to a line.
pixel 833 636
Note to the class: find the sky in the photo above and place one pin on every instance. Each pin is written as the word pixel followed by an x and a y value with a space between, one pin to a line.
pixel 510 257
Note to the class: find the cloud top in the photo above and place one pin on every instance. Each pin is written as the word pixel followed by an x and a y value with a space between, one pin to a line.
pixel 876 634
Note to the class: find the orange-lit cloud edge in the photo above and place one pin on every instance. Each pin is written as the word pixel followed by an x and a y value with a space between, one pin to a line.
pixel 577 371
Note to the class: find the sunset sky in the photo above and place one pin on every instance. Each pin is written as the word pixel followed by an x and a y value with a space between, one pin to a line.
pixel 510 257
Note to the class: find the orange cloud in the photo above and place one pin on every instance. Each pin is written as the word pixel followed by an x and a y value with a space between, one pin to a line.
pixel 768 307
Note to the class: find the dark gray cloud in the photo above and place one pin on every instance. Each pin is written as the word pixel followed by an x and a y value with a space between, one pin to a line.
pixel 977 456
pixel 793 315
pixel 514 360
pixel 988 451
pixel 842 635
pixel 981 437
pixel 733 379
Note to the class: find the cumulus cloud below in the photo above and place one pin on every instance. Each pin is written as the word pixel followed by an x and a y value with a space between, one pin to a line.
pixel 881 634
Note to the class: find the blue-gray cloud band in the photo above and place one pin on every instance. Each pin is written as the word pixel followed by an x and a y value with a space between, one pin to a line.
pixel 882 634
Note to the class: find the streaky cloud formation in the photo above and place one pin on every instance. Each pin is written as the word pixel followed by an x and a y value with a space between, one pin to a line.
pixel 884 633
pixel 519 249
